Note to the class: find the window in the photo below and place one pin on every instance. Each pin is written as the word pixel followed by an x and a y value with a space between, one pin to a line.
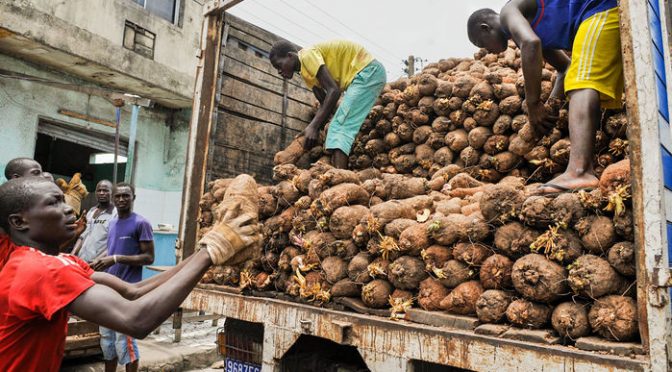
pixel 166 9
pixel 139 40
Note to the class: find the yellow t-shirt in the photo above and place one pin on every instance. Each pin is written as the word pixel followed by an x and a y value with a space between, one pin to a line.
pixel 344 59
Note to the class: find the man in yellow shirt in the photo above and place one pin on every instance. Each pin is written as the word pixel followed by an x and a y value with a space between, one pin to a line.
pixel 328 69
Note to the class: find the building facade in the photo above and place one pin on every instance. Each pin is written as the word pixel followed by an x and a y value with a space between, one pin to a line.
pixel 63 63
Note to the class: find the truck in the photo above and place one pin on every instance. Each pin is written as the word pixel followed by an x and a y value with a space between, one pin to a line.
pixel 243 112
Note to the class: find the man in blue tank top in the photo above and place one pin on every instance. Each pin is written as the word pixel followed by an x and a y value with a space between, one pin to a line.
pixel 592 78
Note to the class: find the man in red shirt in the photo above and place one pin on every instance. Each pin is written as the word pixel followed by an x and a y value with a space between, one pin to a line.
pixel 39 286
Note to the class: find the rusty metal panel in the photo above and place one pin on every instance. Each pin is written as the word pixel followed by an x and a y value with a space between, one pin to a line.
pixel 391 344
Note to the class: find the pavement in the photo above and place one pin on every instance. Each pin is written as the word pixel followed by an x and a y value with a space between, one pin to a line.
pixel 195 352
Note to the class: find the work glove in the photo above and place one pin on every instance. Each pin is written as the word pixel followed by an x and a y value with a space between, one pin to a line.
pixel 74 191
pixel 233 233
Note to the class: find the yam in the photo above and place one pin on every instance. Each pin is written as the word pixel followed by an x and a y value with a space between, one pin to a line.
pixel 615 318
pixel 570 320
pixel 291 153
pixel 472 254
pixel 462 299
pixel 501 203
pixel 495 144
pixel 335 269
pixel 358 268
pixel 539 279
pixel 342 195
pixel 414 239
pixel 486 113
pixel 407 272
pixel 622 257
pixel 526 314
pixel 453 273
pixel 457 140
pixel 537 211
pixel 597 233
pixel 491 306
pixel 456 227
pixel 495 272
pixel 478 137
pixel 344 220
pixel 431 293
pixel 345 288
pixel 376 293
pixel 593 277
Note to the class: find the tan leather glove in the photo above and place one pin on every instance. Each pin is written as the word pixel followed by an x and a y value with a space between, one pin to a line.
pixel 230 235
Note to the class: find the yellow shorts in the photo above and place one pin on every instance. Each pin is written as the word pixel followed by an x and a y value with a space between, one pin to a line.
pixel 596 58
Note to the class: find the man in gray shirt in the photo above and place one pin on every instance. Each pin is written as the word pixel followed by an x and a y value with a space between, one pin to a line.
pixel 92 243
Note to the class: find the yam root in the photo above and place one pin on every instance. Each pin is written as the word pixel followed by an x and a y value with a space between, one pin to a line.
pixel 615 318
pixel 526 314
pixel 593 277
pixel 539 279
pixel 495 272
pixel 407 272
pixel 570 320
pixel 462 299
pixel 376 293
pixel 491 306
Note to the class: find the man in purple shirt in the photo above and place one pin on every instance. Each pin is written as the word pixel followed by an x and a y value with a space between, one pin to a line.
pixel 130 245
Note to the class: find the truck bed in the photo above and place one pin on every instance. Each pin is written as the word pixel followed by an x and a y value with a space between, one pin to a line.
pixel 389 345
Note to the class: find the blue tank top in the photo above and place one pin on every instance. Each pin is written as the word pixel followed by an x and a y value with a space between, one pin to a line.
pixel 557 21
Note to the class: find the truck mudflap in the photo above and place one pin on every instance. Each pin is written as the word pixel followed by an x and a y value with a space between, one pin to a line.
pixel 389 345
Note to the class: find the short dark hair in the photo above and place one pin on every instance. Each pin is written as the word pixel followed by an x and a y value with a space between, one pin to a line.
pixel 281 49
pixel 106 181
pixel 475 19
pixel 16 196
pixel 16 166
pixel 123 184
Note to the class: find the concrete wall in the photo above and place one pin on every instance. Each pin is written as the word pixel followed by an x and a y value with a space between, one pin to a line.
pixel 108 21
pixel 92 31
pixel 161 136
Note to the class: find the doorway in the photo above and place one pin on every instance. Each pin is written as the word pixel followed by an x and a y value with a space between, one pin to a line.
pixel 64 150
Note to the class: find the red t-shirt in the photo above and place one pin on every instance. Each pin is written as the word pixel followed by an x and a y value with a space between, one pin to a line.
pixel 35 289
pixel 5 248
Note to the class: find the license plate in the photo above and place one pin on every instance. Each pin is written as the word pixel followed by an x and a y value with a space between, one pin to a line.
pixel 233 365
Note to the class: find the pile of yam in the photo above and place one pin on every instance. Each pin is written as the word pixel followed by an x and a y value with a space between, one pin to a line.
pixel 439 210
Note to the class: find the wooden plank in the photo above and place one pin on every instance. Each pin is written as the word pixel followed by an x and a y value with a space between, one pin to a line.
pixel 261 64
pixel 232 162
pixel 203 110
pixel 235 88
pixel 249 135
pixel 88 118
pixel 252 40
pixel 78 342
pixel 82 327
pixel 257 136
pixel 269 81
pixel 232 104
pixel 262 39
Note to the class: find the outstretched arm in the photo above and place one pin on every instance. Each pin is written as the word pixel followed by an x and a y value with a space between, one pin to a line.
pixel 132 291
pixel 145 257
pixel 328 84
pixel 105 306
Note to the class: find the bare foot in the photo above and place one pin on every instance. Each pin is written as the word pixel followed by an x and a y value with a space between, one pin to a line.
pixel 568 182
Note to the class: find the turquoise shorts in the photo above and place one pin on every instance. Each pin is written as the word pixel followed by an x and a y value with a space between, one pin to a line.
pixel 357 102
